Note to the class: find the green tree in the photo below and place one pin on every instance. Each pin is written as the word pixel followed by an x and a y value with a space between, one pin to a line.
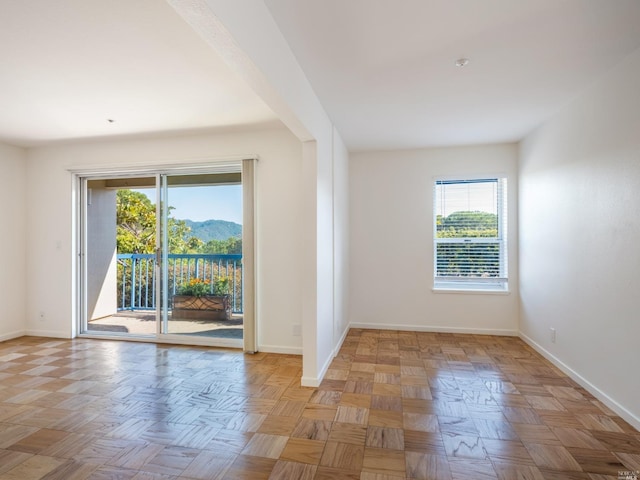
pixel 229 246
pixel 136 222
pixel 136 226
pixel 466 224
pixel 468 259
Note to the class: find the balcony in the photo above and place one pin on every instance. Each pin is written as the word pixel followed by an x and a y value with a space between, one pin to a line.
pixel 137 294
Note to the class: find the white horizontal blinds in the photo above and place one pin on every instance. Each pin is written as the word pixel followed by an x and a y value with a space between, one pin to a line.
pixel 470 230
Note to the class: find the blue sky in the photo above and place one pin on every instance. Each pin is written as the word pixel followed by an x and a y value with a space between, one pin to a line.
pixel 220 202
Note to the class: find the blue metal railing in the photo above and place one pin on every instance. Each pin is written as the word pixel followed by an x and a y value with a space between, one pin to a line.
pixel 137 279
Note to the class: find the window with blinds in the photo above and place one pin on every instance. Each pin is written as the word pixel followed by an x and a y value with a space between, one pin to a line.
pixel 470 234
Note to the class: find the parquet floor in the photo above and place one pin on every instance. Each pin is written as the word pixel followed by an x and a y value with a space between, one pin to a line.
pixel 393 405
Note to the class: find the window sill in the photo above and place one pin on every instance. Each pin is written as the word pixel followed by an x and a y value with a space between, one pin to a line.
pixel 472 291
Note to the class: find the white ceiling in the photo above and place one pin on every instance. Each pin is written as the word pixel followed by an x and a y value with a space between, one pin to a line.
pixel 67 66
pixel 384 70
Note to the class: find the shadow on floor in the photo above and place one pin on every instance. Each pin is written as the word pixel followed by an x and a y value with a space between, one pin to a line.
pixel 107 328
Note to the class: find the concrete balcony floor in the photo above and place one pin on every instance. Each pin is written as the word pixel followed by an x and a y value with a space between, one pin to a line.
pixel 142 322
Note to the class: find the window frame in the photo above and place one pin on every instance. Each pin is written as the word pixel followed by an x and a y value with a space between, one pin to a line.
pixel 455 284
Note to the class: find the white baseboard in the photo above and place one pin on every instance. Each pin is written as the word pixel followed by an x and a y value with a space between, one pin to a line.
pixel 48 333
pixel 309 382
pixel 277 349
pixel 436 329
pixel 340 342
pixel 583 382
pixel 12 335
pixel 315 381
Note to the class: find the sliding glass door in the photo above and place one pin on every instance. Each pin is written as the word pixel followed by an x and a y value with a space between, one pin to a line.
pixel 162 256
pixel 201 267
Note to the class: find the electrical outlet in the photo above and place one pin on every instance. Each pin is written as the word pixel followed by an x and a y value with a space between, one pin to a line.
pixel 553 335
pixel 41 316
pixel 297 330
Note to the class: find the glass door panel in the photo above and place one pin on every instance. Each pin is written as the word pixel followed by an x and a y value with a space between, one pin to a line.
pixel 202 274
pixel 119 245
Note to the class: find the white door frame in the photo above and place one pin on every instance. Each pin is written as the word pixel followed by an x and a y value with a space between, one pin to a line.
pixel 244 165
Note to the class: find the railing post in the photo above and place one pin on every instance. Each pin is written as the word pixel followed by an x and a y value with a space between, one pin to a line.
pixel 124 282
pixel 146 283
pixel 153 283
pixel 235 269
pixel 133 283
pixel 139 283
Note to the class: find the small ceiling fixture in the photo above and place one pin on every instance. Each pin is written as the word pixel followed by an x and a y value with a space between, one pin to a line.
pixel 110 120
pixel 462 62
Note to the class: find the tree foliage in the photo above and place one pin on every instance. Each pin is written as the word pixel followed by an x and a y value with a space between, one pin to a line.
pixel 228 246
pixel 136 227
pixel 468 259
pixel 467 224
pixel 136 222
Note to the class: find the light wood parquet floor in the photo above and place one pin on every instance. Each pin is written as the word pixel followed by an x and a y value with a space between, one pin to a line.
pixel 393 405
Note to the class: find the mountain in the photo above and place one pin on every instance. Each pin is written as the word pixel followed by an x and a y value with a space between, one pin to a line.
pixel 214 229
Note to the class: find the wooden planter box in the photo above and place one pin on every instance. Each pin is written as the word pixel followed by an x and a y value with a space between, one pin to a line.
pixel 207 307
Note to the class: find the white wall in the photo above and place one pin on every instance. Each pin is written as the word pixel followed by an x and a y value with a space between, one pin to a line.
pixel 391 197
pixel 253 46
pixel 50 232
pixel 317 268
pixel 13 278
pixel 580 237
pixel 101 255
pixel 341 239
